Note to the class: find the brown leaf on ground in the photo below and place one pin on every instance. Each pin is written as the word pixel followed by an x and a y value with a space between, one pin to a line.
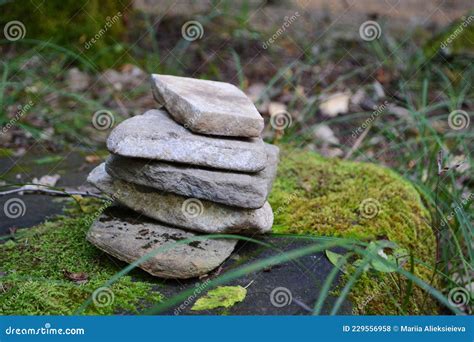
pixel 275 108
pixel 93 159
pixel 78 278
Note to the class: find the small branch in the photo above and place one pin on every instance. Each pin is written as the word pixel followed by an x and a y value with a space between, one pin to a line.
pixel 28 189
pixel 302 305
pixel 358 142
pixel 249 284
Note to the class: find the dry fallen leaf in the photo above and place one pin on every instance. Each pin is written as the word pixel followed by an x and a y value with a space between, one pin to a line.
pixel 275 108
pixel 325 134
pixel 47 180
pixel 335 104
pixel 78 278
pixel 92 159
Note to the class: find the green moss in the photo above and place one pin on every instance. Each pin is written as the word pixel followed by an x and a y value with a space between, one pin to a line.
pixel 33 270
pixel 222 296
pixel 314 195
pixel 311 195
pixel 93 28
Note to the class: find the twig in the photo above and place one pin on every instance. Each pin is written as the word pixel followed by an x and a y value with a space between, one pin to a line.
pixel 302 305
pixel 249 284
pixel 358 142
pixel 28 189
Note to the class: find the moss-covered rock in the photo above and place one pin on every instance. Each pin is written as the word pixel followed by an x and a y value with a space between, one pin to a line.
pixel 311 195
pixel 332 197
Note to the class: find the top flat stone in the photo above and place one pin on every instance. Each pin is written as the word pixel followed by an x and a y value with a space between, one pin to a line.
pixel 208 107
pixel 154 135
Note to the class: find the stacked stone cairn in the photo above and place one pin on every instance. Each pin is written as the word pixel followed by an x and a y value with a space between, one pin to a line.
pixel 197 165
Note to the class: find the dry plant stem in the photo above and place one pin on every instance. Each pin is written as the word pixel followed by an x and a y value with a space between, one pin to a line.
pixel 358 142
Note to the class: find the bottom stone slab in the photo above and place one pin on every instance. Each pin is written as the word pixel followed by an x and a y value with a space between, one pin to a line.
pixel 129 236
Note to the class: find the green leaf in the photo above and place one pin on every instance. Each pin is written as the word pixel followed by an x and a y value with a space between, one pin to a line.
pixel 222 296
pixel 48 160
pixel 336 259
pixel 376 249
pixel 359 262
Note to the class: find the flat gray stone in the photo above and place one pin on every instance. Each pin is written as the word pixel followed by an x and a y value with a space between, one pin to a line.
pixel 154 135
pixel 234 189
pixel 129 236
pixel 179 211
pixel 208 107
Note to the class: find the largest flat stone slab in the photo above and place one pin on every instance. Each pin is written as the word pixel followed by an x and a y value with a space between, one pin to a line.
pixel 234 189
pixel 180 211
pixel 208 107
pixel 129 236
pixel 154 135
